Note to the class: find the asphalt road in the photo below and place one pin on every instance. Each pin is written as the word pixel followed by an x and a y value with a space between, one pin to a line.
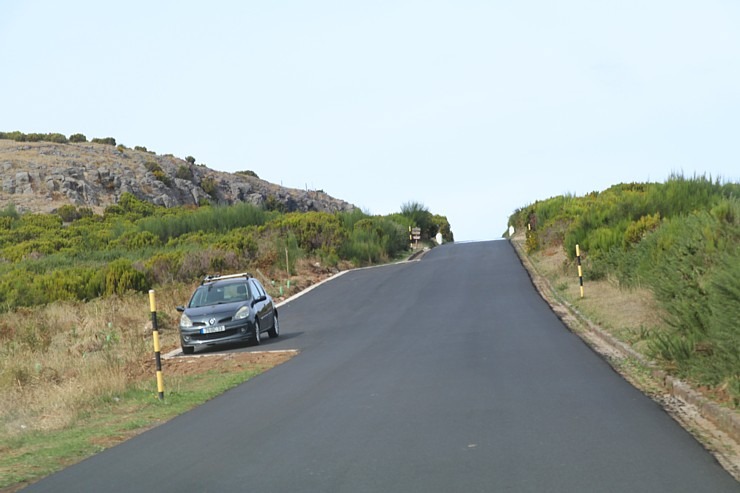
pixel 445 375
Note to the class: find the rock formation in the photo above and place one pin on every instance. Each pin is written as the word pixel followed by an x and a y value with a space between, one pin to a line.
pixel 42 176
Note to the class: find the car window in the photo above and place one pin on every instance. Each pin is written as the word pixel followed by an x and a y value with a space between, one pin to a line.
pixel 199 297
pixel 257 290
pixel 236 292
pixel 214 294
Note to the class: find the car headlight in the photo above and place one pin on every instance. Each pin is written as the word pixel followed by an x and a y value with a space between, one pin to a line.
pixel 185 321
pixel 242 313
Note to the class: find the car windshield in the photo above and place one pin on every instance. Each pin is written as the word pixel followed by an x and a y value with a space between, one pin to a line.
pixel 217 294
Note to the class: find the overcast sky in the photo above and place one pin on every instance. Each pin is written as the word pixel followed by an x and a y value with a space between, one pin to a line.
pixel 473 108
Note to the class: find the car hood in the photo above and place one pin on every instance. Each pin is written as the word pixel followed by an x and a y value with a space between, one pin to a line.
pixel 217 311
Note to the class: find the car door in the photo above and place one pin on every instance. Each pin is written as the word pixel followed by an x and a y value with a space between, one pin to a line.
pixel 262 307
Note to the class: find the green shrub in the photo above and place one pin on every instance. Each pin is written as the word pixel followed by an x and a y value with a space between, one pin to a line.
pixel 121 277
pixel 68 213
pixel 531 243
pixel 56 138
pixel 242 241
pixel 420 217
pixel 247 173
pixel 152 166
pixel 637 230
pixel 364 246
pixel 135 240
pixel 16 136
pixel 350 218
pixel 272 203
pixel 10 211
pixel 313 230
pixel 164 267
pixel 130 204
pixel 209 185
pixel 105 140
pixel 163 177
pixel 184 172
pixel 77 138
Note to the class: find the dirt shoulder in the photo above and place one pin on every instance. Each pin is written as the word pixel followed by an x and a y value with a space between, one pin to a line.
pixel 716 427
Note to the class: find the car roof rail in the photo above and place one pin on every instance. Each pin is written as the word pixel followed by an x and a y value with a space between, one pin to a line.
pixel 216 277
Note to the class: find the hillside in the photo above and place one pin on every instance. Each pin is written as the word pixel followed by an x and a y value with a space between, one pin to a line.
pixel 677 244
pixel 43 176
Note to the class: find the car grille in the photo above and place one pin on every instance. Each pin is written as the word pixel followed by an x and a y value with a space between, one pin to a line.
pixel 218 322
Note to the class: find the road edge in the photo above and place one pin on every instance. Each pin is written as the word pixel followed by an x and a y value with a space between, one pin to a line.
pixel 726 422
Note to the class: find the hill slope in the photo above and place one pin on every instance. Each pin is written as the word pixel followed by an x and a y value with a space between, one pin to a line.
pixel 42 176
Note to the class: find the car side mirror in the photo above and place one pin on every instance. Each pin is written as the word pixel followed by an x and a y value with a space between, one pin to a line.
pixel 180 308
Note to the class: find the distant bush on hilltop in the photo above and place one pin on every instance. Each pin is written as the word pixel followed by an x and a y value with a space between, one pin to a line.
pixel 34 137
pixel 106 140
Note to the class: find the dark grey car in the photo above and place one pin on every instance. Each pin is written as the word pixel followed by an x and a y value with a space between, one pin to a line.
pixel 226 310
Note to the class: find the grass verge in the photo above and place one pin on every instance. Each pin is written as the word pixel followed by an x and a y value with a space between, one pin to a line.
pixel 27 456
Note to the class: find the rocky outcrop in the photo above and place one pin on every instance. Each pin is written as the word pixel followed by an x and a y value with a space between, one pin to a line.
pixel 42 176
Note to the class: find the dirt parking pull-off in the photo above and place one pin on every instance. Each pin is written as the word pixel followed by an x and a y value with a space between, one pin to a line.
pixel 225 362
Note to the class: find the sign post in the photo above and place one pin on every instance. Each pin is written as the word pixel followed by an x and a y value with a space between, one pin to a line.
pixel 416 235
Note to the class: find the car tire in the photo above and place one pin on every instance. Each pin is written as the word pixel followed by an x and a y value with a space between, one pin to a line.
pixel 188 349
pixel 257 335
pixel 275 330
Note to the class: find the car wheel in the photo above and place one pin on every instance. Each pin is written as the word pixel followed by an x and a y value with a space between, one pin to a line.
pixel 188 349
pixel 257 335
pixel 275 330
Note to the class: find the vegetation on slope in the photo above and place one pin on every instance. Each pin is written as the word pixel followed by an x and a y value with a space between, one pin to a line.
pixel 77 255
pixel 681 240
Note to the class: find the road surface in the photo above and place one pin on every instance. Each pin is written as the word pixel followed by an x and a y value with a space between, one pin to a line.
pixel 449 374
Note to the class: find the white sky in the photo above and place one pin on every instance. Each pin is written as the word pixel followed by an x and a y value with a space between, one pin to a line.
pixel 473 108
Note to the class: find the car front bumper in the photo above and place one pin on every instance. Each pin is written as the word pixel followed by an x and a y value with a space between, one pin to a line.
pixel 235 332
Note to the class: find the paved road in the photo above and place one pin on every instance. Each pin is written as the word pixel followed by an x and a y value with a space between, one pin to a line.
pixel 444 375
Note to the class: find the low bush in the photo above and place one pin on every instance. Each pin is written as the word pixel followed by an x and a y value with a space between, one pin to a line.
pixel 105 140
pixel 209 185
pixel 247 173
pixel 184 173
pixel 314 231
pixel 121 277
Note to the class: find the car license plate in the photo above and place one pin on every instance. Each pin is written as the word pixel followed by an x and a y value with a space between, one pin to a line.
pixel 213 329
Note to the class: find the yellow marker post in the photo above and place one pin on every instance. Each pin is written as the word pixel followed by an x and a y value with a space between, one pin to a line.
pixel 155 336
pixel 580 270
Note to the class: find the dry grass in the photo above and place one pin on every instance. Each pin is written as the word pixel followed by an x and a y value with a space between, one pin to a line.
pixel 59 360
pixel 627 314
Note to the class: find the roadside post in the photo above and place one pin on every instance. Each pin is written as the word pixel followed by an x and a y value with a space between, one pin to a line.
pixel 580 270
pixel 155 336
